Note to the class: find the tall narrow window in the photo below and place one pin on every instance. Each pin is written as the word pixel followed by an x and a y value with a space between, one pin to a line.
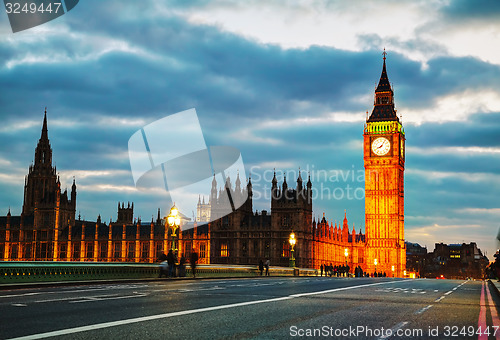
pixel 131 251
pixel 285 249
pixel 223 249
pixel 118 250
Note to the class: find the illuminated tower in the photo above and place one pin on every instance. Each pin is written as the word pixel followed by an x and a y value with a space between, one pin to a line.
pixel 384 159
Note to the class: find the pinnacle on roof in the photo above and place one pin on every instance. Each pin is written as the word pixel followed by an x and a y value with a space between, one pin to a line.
pixel 383 109
pixel 45 135
pixel 383 84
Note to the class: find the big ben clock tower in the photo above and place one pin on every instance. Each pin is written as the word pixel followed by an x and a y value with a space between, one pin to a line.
pixel 384 159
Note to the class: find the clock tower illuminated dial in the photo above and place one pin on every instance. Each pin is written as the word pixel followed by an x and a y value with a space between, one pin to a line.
pixel 384 160
pixel 381 146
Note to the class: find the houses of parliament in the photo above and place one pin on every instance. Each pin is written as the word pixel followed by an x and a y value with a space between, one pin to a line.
pixel 48 229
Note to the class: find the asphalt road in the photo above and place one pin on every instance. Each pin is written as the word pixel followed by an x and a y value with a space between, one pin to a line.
pixel 258 308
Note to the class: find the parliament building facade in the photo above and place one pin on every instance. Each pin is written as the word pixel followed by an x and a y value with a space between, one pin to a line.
pixel 48 230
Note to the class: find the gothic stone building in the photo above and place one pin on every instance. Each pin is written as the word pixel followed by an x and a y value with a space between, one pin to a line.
pixel 47 228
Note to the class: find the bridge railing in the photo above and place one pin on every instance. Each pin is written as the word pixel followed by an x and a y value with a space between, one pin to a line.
pixel 26 272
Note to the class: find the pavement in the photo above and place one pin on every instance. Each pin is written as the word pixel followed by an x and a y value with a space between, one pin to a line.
pixel 253 308
pixel 496 284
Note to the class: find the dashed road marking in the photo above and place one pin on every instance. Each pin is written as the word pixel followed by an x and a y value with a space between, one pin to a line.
pixel 394 330
pixel 103 325
pixel 420 311
pixel 442 297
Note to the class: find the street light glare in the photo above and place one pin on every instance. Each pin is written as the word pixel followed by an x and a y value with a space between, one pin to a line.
pixel 171 220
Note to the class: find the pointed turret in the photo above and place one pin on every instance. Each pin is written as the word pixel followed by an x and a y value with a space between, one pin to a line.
pixel 213 192
pixel 45 134
pixel 237 185
pixel 43 152
pixel 249 187
pixel 299 182
pixel 73 192
pixel 383 109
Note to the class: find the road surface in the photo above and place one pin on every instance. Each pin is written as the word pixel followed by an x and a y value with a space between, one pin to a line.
pixel 256 308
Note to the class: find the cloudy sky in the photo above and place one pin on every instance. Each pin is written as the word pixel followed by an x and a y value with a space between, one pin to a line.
pixel 286 83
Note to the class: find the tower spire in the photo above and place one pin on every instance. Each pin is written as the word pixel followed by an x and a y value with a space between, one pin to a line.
pixel 43 152
pixel 45 135
pixel 383 109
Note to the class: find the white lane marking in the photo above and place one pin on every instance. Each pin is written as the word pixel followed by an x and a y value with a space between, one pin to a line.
pixel 18 295
pixel 75 298
pixel 184 312
pixel 54 292
pixel 109 298
pixel 420 311
pixel 394 330
pixel 19 305
pixel 200 289
pixel 435 290
pixel 455 288
pixel 442 297
pixel 448 293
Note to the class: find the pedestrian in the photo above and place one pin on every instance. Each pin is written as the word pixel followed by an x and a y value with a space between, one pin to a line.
pixel 171 262
pixel 182 266
pixel 163 264
pixel 321 269
pixel 193 260
pixel 261 266
pixel 268 263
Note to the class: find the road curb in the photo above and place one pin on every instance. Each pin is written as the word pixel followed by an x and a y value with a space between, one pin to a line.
pixel 496 286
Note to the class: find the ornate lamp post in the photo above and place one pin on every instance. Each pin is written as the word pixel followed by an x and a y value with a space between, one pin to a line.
pixel 375 262
pixel 292 242
pixel 346 254
pixel 174 221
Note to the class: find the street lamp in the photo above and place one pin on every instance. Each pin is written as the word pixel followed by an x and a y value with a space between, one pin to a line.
pixel 346 253
pixel 174 221
pixel 292 242
pixel 392 271
pixel 375 262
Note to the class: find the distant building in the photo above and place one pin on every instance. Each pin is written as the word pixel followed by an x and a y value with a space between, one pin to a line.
pixel 449 260
pixel 416 258
pixel 203 211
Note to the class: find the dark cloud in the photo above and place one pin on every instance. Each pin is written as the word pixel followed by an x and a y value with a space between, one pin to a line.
pixel 138 61
pixel 464 10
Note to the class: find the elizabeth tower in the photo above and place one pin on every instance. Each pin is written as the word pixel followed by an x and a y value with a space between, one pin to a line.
pixel 384 160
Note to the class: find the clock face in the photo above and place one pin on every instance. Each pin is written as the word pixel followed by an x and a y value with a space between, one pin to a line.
pixel 381 146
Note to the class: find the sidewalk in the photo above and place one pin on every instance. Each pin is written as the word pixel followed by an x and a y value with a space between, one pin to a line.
pixel 496 284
